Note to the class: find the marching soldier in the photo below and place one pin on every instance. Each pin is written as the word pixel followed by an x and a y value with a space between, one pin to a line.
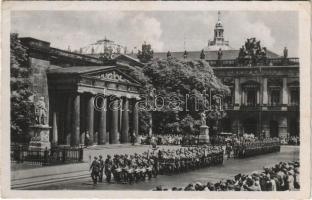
pixel 108 168
pixel 101 161
pixel 95 167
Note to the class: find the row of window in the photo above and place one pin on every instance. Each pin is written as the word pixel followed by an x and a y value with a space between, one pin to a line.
pixel 274 98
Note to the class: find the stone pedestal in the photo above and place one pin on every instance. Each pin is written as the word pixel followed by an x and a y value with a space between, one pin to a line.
pixel 40 139
pixel 204 135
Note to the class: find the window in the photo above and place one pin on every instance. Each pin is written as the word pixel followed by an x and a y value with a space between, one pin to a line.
pixel 275 97
pixel 251 97
pixel 294 97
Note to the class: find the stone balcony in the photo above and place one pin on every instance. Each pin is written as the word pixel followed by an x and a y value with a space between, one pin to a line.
pixel 267 62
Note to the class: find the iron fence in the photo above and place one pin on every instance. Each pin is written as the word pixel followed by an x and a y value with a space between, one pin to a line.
pixel 53 156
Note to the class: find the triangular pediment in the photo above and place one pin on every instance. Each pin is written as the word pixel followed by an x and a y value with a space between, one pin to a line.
pixel 111 75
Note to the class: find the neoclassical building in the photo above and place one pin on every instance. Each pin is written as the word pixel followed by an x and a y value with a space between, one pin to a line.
pixel 84 95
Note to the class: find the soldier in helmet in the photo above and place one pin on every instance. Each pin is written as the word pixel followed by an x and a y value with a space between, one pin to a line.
pixel 95 167
pixel 101 161
pixel 108 168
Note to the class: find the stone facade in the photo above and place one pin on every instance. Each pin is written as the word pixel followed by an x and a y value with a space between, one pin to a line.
pixel 264 100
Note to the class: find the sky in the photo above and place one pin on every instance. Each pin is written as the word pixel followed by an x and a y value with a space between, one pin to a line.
pixel 164 30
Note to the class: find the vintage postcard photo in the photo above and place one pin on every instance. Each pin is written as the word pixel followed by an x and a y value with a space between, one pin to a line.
pixel 129 99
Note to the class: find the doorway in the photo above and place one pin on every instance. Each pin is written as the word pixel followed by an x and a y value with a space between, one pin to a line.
pixel 273 128
pixel 250 126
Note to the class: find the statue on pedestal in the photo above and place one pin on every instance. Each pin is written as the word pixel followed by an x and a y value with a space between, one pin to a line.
pixel 40 112
pixel 40 130
pixel 203 137
pixel 203 118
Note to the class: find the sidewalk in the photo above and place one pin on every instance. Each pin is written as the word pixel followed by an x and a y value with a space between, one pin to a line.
pixel 37 175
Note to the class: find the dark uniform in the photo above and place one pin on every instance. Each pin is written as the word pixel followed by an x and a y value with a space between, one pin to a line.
pixel 95 167
pixel 108 168
pixel 101 169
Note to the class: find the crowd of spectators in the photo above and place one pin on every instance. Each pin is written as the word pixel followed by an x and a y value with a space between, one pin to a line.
pixel 283 176
pixel 292 140
pixel 168 139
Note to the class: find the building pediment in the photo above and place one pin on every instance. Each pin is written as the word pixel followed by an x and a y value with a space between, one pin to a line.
pixel 112 75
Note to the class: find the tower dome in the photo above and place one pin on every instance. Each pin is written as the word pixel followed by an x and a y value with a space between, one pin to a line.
pixel 218 41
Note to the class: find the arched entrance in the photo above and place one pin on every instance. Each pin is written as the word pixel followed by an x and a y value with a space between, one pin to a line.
pixel 250 126
pixel 273 128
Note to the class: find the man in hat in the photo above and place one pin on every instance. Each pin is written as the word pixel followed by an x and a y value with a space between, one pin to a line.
pixel 95 167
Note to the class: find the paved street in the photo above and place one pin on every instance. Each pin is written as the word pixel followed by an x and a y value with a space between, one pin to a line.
pixel 80 180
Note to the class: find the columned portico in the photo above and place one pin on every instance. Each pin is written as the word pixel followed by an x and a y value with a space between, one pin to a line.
pixel 109 122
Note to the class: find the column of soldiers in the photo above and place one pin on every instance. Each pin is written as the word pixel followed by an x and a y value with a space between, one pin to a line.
pixel 133 168
pixel 190 158
pixel 244 149
pixel 124 168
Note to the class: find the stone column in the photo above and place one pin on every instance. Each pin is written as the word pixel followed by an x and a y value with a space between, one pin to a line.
pixel 265 92
pixel 120 115
pixel 237 96
pixel 125 122
pixel 68 122
pixel 102 124
pixel 113 134
pixel 282 126
pixel 90 118
pixel 135 116
pixel 76 121
pixel 284 92
pixel 54 129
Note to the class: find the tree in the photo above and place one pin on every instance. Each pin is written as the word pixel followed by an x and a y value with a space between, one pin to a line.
pixel 22 108
pixel 173 80
pixel 146 54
